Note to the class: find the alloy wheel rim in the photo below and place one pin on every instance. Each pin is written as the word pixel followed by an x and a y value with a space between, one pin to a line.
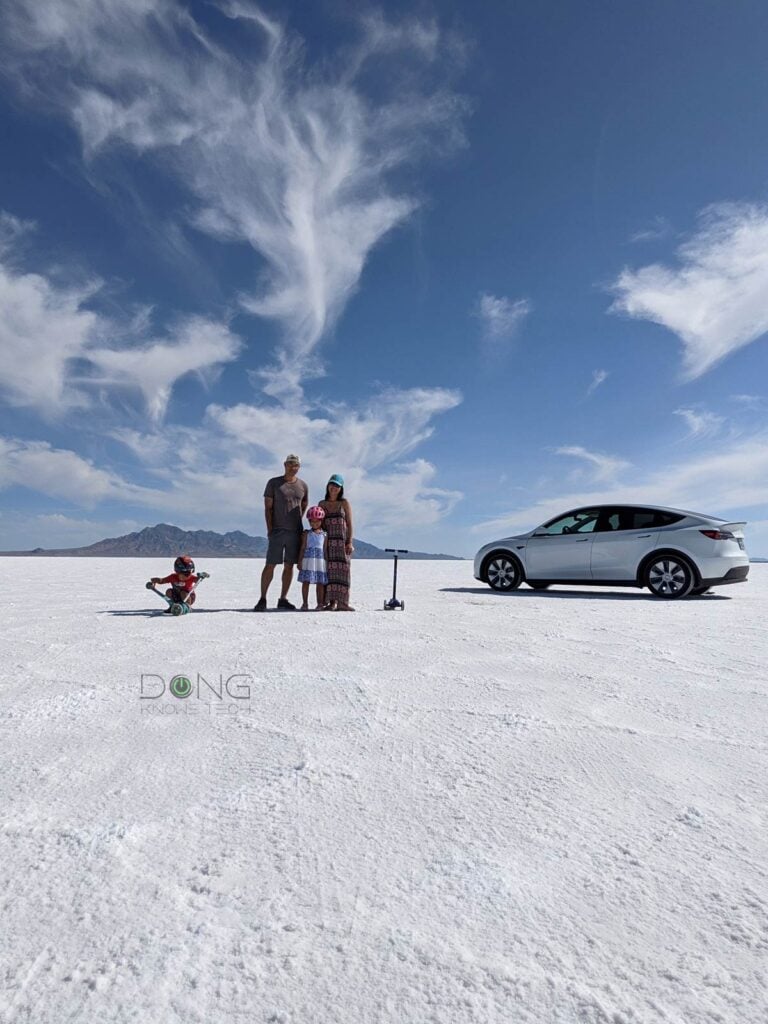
pixel 501 572
pixel 667 576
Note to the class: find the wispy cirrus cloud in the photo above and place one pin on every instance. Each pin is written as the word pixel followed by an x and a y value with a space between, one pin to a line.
pixel 59 354
pixel 749 401
pixel 385 428
pixel 657 229
pixel 598 377
pixel 604 467
pixel 701 423
pixel 61 473
pixel 227 461
pixel 298 162
pixel 43 328
pixel 715 300
pixel 12 229
pixel 733 476
pixel 371 444
pixel 195 345
pixel 501 317
pixel 57 351
pixel 295 161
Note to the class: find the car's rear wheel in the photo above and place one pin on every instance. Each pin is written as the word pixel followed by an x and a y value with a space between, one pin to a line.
pixel 537 586
pixel 669 576
pixel 503 572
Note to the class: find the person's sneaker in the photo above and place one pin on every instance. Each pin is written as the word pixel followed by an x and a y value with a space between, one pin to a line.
pixel 261 605
pixel 285 605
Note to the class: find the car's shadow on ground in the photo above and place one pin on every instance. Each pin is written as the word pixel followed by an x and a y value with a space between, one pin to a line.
pixel 573 595
pixel 153 612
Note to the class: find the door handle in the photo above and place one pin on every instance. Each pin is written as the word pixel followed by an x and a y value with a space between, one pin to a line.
pixel 643 536
pixel 582 540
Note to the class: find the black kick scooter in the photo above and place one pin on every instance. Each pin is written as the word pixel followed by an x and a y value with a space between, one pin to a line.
pixel 393 603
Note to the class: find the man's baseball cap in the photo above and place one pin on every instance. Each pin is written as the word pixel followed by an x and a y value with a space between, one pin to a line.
pixel 293 458
pixel 337 479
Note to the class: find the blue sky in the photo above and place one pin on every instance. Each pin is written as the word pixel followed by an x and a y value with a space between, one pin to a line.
pixel 489 261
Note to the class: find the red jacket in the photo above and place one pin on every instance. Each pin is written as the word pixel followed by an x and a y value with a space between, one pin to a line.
pixel 183 584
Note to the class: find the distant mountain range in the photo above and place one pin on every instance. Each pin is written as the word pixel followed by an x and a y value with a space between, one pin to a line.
pixel 165 541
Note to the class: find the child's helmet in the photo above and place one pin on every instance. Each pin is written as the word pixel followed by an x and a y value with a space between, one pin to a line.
pixel 316 512
pixel 183 564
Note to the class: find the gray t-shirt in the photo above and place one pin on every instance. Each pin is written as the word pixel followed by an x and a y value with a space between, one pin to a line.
pixel 286 502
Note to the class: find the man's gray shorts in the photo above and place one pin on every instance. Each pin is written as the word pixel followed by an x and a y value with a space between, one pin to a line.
pixel 283 546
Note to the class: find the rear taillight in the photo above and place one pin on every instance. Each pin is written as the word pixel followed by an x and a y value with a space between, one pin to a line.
pixel 717 535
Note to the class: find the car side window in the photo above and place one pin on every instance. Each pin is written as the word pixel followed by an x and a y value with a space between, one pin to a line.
pixel 610 520
pixel 642 519
pixel 623 519
pixel 667 518
pixel 645 519
pixel 583 521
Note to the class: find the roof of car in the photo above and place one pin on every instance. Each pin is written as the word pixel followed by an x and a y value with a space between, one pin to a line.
pixel 653 508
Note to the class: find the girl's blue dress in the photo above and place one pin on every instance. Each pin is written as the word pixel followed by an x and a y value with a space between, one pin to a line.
pixel 313 569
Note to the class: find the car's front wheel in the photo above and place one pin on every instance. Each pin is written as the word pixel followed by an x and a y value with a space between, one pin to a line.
pixel 669 576
pixel 503 572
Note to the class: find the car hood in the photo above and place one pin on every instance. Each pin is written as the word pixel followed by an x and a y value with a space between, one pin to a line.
pixel 509 540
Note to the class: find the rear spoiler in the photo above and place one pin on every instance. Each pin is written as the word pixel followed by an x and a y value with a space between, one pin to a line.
pixel 731 527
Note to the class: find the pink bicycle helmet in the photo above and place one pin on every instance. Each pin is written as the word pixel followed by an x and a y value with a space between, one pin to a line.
pixel 316 512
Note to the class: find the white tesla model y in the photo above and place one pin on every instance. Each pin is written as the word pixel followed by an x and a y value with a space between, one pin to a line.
pixel 672 552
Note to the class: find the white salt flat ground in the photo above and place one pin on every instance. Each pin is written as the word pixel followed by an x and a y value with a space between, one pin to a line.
pixel 520 808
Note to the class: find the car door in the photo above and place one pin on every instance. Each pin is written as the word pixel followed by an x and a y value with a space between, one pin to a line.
pixel 622 537
pixel 561 549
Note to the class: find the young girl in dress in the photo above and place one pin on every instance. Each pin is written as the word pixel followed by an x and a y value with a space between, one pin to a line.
pixel 312 558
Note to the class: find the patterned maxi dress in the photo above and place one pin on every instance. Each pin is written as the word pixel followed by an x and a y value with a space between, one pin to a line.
pixel 338 561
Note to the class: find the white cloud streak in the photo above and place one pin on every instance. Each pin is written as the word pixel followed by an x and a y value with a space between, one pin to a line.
pixel 42 328
pixel 11 229
pixel 61 473
pixel 197 346
pixel 501 317
pixel 227 463
pixel 56 351
pixel 658 228
pixel 387 428
pixel 749 401
pixel 598 377
pixel 716 301
pixel 604 467
pixel 368 445
pixel 732 478
pixel 293 161
pixel 701 423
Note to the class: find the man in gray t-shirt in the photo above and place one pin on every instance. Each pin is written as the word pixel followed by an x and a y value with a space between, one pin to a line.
pixel 285 502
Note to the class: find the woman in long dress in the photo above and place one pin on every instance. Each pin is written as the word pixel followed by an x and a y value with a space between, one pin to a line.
pixel 338 526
